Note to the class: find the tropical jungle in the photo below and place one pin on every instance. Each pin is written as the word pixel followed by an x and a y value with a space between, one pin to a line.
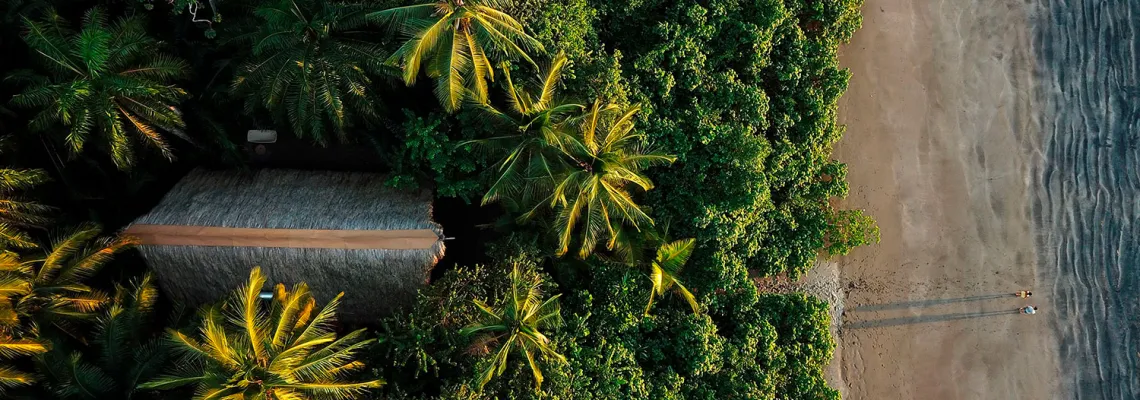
pixel 616 175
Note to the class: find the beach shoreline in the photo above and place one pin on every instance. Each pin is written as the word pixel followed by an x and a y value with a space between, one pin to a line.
pixel 941 148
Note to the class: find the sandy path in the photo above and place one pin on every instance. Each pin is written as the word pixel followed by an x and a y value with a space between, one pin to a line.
pixel 940 146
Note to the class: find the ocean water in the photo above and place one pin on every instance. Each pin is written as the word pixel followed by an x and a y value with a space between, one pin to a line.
pixel 1088 189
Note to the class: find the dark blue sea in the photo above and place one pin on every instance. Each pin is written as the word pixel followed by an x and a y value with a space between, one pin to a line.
pixel 1088 188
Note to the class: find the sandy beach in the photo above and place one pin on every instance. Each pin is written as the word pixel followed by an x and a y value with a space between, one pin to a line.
pixel 940 147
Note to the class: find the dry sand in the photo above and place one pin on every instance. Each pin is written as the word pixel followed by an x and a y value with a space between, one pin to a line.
pixel 940 148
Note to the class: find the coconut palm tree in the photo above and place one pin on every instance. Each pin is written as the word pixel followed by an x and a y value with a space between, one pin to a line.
pixel 285 349
pixel 532 128
pixel 665 268
pixel 632 248
pixel 453 42
pixel 311 67
pixel 122 353
pixel 517 325
pixel 48 291
pixel 605 156
pixel 106 79
pixel 17 212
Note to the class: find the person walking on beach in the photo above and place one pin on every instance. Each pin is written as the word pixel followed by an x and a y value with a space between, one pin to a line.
pixel 1023 294
pixel 1029 310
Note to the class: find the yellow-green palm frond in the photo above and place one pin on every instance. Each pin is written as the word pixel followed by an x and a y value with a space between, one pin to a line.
pixel 332 361
pixel 334 390
pixel 50 287
pixel 245 310
pixel 63 249
pixel 448 69
pixel 604 158
pixel 550 81
pixel 10 264
pixel 12 348
pixel 299 356
pixel 517 325
pixel 454 42
pixel 13 378
pixel 187 344
pixel 13 236
pixel 216 344
pixel 83 305
pixel 13 285
pixel 285 362
pixel 322 323
pixel 12 180
pixel 665 270
pixel 291 311
pixel 97 253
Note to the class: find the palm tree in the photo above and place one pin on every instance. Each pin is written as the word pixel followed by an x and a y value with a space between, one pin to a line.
pixel 453 41
pixel 48 291
pixel 310 67
pixel 604 157
pixel 12 346
pixel 533 126
pixel 15 211
pixel 106 78
pixel 665 268
pixel 517 325
pixel 288 351
pixel 123 354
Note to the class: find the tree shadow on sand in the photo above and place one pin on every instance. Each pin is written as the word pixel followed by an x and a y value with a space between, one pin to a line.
pixel 926 319
pixel 927 303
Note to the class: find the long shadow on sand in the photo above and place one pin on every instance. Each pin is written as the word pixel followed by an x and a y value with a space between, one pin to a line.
pixel 926 319
pixel 927 303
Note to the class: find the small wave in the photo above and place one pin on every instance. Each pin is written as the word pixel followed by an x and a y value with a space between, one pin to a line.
pixel 1088 186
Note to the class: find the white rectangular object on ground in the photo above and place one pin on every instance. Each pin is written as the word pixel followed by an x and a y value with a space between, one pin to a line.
pixel 261 136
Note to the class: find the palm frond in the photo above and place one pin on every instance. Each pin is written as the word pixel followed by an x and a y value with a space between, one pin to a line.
pixel 286 353
pixel 249 314
pixel 13 348
pixel 63 249
pixel 13 378
pixel 518 322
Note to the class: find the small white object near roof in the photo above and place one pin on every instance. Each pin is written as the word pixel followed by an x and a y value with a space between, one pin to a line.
pixel 261 136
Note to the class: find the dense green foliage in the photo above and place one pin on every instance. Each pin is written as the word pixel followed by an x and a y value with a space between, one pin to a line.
pixel 617 126
pixel 773 346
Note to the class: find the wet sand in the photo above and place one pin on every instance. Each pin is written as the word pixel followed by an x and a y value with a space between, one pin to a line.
pixel 941 149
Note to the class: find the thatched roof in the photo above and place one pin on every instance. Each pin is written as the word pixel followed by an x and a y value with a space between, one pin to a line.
pixel 378 273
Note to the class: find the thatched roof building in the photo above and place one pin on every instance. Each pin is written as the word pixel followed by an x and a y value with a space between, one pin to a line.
pixel 337 231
